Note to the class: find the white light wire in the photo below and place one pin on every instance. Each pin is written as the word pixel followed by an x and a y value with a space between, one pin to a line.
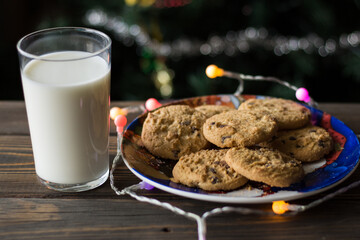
pixel 241 77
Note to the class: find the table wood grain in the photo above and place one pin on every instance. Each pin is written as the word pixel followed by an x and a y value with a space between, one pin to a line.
pixel 28 210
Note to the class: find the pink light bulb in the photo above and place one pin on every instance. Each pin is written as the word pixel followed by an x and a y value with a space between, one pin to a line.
pixel 152 104
pixel 302 95
pixel 120 122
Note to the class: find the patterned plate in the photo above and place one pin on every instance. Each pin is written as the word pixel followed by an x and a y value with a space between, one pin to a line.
pixel 320 176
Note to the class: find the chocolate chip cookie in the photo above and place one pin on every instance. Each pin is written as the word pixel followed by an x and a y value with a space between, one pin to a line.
pixel 239 128
pixel 265 165
pixel 289 114
pixel 173 131
pixel 306 144
pixel 207 170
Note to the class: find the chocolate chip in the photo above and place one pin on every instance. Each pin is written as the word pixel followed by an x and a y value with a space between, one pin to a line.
pixel 298 146
pixel 321 143
pixel 292 138
pixel 224 138
pixel 212 170
pixel 194 129
pixel 213 123
pixel 312 130
pixel 224 164
pixel 222 126
pixel 214 180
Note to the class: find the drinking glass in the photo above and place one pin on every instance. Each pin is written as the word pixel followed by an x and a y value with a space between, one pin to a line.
pixel 65 76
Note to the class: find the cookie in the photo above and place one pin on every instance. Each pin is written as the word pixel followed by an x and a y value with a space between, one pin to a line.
pixel 239 128
pixel 173 131
pixel 265 165
pixel 211 110
pixel 306 144
pixel 207 170
pixel 289 114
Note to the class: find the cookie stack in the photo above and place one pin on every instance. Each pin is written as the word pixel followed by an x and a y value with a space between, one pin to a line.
pixel 220 148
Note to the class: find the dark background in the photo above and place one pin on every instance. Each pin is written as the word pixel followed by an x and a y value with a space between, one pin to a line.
pixel 333 77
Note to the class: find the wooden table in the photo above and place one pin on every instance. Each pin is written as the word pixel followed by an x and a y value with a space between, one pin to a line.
pixel 28 210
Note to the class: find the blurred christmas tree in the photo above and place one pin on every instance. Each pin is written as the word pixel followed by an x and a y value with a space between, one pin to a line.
pixel 161 48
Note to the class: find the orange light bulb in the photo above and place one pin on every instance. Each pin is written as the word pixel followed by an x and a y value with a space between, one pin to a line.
pixel 280 207
pixel 212 71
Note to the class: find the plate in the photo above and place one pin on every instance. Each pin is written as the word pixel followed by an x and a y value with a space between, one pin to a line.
pixel 320 176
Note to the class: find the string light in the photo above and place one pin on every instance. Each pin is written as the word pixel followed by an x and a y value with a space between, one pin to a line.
pixel 120 122
pixel 212 71
pixel 146 186
pixel 232 44
pixel 119 115
pixel 116 111
pixel 301 94
pixel 152 104
pixel 278 207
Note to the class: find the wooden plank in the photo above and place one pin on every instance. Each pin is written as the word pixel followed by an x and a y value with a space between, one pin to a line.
pixel 13 119
pixel 83 219
pixel 124 218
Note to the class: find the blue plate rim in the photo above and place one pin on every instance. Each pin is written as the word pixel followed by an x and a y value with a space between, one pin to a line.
pixel 336 124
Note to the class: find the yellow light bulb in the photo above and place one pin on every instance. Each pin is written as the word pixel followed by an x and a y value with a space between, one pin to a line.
pixel 212 71
pixel 280 207
pixel 116 111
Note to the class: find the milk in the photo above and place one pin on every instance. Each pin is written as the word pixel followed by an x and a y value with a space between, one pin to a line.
pixel 67 105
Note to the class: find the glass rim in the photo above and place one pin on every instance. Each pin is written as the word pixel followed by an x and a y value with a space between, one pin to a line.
pixel 80 29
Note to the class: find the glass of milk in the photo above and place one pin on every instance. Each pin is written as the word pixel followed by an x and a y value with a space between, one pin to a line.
pixel 66 82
